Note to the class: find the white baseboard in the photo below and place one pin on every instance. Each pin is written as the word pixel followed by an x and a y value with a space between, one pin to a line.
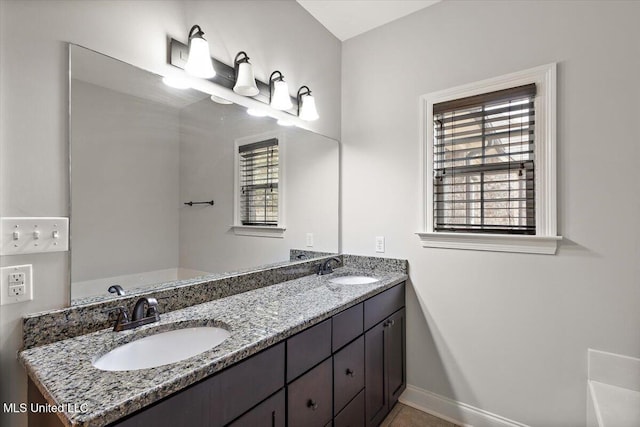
pixel 452 410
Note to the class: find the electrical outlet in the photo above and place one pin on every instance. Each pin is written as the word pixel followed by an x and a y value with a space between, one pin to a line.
pixel 16 279
pixel 16 284
pixel 380 244
pixel 309 240
pixel 17 290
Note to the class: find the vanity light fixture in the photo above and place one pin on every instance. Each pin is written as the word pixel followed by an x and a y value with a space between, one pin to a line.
pixel 176 82
pixel 306 105
pixel 245 79
pixel 285 123
pixel 220 100
pixel 199 62
pixel 279 92
pixel 256 113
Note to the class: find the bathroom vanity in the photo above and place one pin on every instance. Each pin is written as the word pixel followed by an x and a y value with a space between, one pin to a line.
pixel 293 342
pixel 304 352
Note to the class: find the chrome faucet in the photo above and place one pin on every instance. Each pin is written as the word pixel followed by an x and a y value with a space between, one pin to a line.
pixel 116 289
pixel 140 316
pixel 325 267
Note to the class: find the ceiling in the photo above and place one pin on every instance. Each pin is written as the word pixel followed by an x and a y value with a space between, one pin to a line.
pixel 349 18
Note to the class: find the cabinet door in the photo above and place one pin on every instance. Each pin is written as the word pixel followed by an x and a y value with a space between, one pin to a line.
pixel 347 326
pixel 353 414
pixel 348 373
pixel 307 349
pixel 270 413
pixel 395 356
pixel 219 399
pixel 310 397
pixel 383 305
pixel 385 371
pixel 375 383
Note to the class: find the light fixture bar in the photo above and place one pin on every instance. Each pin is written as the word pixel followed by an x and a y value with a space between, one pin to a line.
pixel 225 74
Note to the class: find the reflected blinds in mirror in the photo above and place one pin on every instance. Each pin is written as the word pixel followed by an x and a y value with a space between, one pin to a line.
pixel 259 176
pixel 484 163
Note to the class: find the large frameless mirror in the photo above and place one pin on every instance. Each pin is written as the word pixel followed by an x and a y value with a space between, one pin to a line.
pixel 168 185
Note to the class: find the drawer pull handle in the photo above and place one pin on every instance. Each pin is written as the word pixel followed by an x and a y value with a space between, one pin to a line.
pixel 392 322
pixel 350 373
pixel 312 404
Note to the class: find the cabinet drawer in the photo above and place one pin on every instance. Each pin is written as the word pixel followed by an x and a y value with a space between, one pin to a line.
pixel 270 413
pixel 247 383
pixel 308 348
pixel 347 325
pixel 348 373
pixel 383 305
pixel 219 399
pixel 310 398
pixel 353 414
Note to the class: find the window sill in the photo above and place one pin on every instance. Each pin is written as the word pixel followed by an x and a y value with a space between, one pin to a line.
pixel 258 231
pixel 496 243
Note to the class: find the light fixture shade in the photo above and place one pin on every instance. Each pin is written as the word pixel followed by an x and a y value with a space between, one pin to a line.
pixel 308 110
pixel 199 61
pixel 220 100
pixel 281 99
pixel 176 82
pixel 246 81
pixel 285 123
pixel 256 113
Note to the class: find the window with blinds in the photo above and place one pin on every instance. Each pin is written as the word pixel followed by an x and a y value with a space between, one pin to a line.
pixel 483 163
pixel 259 176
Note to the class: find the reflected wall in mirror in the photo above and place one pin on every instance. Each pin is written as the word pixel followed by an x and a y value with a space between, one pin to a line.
pixel 140 150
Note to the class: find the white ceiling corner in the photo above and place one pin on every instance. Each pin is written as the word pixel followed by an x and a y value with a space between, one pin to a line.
pixel 349 18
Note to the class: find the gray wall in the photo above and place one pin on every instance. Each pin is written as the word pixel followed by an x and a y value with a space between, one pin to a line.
pixel 34 105
pixel 507 333
pixel 125 193
pixel 207 171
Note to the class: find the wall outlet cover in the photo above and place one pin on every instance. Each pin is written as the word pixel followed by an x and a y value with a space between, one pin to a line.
pixel 30 235
pixel 380 244
pixel 309 240
pixel 16 291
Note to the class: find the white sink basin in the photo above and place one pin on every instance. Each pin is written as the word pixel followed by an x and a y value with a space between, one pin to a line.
pixel 161 349
pixel 353 280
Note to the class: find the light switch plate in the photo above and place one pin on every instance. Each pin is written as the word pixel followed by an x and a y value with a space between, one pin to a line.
pixel 380 244
pixel 8 290
pixel 31 235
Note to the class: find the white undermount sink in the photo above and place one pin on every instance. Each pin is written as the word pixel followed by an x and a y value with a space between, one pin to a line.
pixel 161 349
pixel 353 280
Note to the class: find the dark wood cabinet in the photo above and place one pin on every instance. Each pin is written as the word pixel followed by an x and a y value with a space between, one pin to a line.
pixel 353 414
pixel 347 325
pixel 270 413
pixel 396 357
pixel 385 366
pixel 309 398
pixel 308 348
pixel 347 371
pixel 219 399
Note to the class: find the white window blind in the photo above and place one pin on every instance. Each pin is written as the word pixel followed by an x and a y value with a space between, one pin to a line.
pixel 483 163
pixel 259 177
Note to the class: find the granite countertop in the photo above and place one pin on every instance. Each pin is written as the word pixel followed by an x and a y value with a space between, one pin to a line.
pixel 256 319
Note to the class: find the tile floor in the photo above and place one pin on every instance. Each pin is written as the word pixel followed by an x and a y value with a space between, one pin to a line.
pixel 406 416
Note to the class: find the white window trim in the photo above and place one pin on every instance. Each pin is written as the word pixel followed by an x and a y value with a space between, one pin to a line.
pixel 546 239
pixel 260 230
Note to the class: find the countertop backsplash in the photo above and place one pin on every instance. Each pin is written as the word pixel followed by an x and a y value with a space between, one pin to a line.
pixel 80 319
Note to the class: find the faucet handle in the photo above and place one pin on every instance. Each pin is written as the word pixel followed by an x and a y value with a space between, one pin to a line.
pixel 123 314
pixel 152 308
